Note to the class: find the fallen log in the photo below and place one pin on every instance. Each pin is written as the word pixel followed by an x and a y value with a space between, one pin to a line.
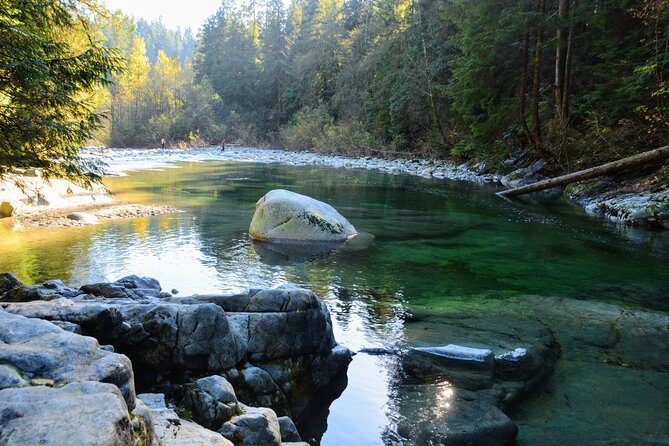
pixel 604 169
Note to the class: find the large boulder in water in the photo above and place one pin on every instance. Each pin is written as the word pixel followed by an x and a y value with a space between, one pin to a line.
pixel 282 215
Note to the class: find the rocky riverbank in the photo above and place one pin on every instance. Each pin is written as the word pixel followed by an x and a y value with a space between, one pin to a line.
pixel 638 198
pixel 29 201
pixel 85 354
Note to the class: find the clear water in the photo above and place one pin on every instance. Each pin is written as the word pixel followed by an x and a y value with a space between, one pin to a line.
pixel 438 244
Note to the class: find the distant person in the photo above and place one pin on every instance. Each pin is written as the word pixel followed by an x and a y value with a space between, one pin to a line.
pixel 162 142
pixel 222 144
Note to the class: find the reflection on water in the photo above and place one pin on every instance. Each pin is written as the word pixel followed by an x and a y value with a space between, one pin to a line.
pixel 437 244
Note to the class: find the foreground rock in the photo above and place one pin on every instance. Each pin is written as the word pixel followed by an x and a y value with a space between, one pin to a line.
pixel 81 413
pixel 277 346
pixel 282 215
pixel 39 352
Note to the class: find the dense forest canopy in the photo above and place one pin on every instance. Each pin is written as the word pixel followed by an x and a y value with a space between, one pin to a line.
pixel 567 79
pixel 572 82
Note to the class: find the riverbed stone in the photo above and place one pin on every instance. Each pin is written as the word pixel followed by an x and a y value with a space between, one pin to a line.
pixel 81 413
pixel 83 217
pixel 282 215
pixel 254 427
pixel 6 209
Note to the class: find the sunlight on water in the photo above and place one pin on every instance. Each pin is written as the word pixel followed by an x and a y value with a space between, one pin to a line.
pixel 438 244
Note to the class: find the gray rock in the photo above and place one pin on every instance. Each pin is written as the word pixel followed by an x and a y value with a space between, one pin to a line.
pixel 257 426
pixel 83 217
pixel 37 349
pixel 158 338
pixel 83 413
pixel 173 431
pixel 276 335
pixel 255 387
pixel 10 377
pixel 68 326
pixel 130 287
pixel 169 337
pixel 143 426
pixel 212 401
pixel 282 215
pixel 288 430
pixel 12 290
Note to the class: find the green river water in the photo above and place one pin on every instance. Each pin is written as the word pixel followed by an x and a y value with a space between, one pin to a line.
pixel 439 245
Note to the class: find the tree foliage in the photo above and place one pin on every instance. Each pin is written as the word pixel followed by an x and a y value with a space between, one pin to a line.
pixel 51 63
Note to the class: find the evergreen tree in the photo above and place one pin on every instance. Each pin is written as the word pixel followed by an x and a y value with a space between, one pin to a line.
pixel 46 82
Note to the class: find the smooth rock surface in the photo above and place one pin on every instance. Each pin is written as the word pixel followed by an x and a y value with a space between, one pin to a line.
pixel 282 215
pixel 83 413
pixel 39 350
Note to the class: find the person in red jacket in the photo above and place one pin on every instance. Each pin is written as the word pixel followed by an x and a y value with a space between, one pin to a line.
pixel 223 144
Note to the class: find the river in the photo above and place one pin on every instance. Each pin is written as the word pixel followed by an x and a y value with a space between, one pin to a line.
pixel 439 245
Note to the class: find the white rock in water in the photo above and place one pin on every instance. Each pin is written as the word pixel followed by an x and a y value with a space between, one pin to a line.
pixel 282 215
pixel 83 217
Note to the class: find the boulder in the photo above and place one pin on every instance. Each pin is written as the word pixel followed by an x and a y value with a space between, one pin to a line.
pixel 83 217
pixel 257 426
pixel 38 350
pixel 82 413
pixel 212 401
pixel 288 430
pixel 6 209
pixel 282 215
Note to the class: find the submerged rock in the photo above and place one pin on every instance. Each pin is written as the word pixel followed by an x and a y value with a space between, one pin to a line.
pixel 282 215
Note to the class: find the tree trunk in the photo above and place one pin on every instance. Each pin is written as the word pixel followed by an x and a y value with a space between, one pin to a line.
pixel 536 126
pixel 560 63
pixel 523 84
pixel 567 64
pixel 604 169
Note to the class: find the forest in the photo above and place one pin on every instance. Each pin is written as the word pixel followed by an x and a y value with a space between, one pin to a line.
pixel 571 82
